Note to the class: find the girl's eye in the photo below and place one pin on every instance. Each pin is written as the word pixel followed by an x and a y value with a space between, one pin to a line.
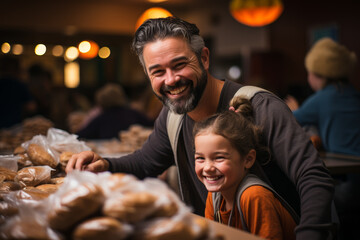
pixel 199 159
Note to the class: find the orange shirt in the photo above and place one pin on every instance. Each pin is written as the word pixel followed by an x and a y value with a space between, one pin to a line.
pixel 263 213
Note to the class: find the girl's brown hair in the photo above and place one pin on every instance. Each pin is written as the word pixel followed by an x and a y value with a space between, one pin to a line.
pixel 236 126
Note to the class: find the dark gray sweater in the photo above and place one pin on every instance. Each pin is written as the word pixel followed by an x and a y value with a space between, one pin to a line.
pixel 294 170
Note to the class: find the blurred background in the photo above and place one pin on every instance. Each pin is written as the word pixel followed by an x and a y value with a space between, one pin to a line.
pixel 45 37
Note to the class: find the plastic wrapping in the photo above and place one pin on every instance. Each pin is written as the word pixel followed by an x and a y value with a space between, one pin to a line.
pixel 33 176
pixel 9 162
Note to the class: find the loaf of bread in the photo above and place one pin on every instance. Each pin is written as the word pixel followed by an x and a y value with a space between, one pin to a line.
pixel 39 156
pixel 75 205
pixel 105 228
pixel 131 207
pixel 33 176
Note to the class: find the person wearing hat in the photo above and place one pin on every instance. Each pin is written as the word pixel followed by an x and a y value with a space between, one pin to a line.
pixel 334 110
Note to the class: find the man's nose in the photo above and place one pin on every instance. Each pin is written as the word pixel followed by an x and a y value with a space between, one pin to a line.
pixel 171 78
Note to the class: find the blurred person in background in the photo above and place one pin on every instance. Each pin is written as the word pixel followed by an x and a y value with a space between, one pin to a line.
pixel 16 101
pixel 334 111
pixel 111 115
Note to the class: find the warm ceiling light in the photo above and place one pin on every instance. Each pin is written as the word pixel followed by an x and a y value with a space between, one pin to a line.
pixel 256 13
pixel 156 1
pixel 17 49
pixel 88 49
pixel 104 52
pixel 71 54
pixel 155 12
pixel 58 50
pixel 5 47
pixel 40 49
pixel 72 75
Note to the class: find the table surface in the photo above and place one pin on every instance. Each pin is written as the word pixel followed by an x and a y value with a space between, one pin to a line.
pixel 341 163
pixel 229 233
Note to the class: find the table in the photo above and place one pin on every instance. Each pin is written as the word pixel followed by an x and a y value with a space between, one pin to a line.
pixel 229 233
pixel 341 163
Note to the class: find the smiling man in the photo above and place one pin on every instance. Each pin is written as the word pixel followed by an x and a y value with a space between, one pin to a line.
pixel 176 62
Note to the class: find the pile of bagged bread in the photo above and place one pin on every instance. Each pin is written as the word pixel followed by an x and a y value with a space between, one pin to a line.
pixel 38 201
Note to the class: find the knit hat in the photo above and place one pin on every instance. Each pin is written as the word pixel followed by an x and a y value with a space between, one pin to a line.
pixel 330 59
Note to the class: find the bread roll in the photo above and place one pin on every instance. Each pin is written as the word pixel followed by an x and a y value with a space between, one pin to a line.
pixel 7 174
pixel 130 207
pixel 9 186
pixel 33 176
pixel 49 188
pixel 39 156
pixel 104 228
pixel 75 205
pixel 166 229
pixel 31 193
pixel 19 150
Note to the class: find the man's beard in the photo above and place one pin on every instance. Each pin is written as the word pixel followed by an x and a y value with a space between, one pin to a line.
pixel 186 103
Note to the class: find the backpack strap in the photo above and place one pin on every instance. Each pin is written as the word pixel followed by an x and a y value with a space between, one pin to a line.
pixel 174 124
pixel 248 181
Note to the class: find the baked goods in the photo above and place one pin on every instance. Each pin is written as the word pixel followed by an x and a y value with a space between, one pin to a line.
pixel 64 159
pixel 19 150
pixel 33 176
pixel 23 160
pixel 31 193
pixel 57 180
pixel 9 186
pixel 166 229
pixel 39 156
pixel 105 228
pixel 48 188
pixel 130 207
pixel 75 205
pixel 7 174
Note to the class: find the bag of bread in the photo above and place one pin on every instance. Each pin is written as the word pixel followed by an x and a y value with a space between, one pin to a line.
pixel 142 200
pixel 79 197
pixel 40 152
pixel 9 162
pixel 28 222
pixel 33 176
pixel 62 141
pixel 105 228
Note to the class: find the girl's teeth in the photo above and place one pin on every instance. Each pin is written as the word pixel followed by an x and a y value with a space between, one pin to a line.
pixel 212 178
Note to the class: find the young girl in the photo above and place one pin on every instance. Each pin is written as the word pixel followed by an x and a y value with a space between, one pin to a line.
pixel 226 147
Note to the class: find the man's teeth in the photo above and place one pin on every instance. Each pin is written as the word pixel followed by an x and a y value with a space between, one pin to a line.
pixel 177 90
pixel 213 178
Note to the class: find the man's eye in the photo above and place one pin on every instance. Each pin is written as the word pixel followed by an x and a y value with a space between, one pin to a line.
pixel 180 65
pixel 157 73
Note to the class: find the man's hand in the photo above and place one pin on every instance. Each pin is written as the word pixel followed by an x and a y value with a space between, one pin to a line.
pixel 87 161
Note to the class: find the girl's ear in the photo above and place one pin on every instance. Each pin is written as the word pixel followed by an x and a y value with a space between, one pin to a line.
pixel 250 158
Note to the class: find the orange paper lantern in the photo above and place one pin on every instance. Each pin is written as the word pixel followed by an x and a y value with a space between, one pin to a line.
pixel 88 49
pixel 155 12
pixel 256 13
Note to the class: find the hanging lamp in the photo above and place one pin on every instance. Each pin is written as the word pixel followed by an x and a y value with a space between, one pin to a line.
pixel 256 13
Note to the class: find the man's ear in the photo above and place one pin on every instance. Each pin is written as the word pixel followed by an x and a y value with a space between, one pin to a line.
pixel 250 159
pixel 205 57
